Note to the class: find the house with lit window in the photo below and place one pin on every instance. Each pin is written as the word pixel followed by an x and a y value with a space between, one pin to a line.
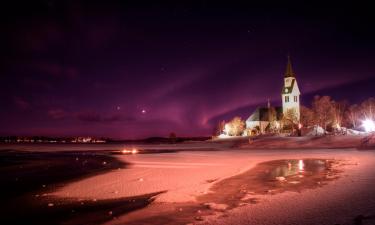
pixel 264 118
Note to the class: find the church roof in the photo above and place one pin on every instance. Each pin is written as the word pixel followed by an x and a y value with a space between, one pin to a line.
pixel 263 114
pixel 289 70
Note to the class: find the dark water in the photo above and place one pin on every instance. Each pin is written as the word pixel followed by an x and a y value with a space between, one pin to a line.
pixel 28 177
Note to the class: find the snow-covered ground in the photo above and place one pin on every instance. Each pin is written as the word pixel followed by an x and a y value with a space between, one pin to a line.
pixel 310 142
pixel 187 174
pixel 183 175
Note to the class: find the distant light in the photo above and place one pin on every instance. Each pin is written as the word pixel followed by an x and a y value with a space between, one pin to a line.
pixel 125 151
pixel 299 126
pixel 300 165
pixel 129 151
pixel 143 111
pixel 369 125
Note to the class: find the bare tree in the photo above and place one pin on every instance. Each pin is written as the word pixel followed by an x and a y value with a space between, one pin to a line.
pixel 339 111
pixel 219 128
pixel 289 120
pixel 368 109
pixel 307 116
pixel 291 116
pixel 353 114
pixel 323 110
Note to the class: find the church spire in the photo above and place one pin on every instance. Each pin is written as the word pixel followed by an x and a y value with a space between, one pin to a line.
pixel 289 71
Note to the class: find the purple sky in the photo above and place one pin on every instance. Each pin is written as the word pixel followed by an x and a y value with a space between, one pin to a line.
pixel 73 68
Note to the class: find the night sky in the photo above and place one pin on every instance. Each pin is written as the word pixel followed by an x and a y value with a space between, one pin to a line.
pixel 134 70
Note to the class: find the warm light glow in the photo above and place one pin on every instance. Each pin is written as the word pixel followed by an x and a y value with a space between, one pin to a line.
pixel 299 126
pixel 300 165
pixel 129 151
pixel 369 125
pixel 226 129
pixel 125 151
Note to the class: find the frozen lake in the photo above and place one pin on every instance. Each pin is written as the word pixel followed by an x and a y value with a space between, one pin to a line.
pixel 228 186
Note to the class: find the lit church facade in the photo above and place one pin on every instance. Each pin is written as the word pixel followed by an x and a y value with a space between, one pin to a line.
pixel 268 118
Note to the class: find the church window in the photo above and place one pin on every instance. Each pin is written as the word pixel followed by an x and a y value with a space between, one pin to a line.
pixel 295 98
pixel 286 98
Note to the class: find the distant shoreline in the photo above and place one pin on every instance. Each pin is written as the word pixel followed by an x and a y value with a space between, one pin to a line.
pixel 95 140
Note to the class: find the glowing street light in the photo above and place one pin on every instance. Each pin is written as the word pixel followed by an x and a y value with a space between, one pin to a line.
pixel 369 125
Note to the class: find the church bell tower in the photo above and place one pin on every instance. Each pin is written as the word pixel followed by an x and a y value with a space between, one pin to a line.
pixel 290 94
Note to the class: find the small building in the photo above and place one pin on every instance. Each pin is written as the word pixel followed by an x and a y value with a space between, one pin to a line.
pixel 264 119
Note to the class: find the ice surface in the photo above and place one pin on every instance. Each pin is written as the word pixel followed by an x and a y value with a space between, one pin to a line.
pixel 187 174
pixel 338 202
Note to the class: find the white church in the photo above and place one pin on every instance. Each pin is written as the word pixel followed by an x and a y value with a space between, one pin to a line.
pixel 265 118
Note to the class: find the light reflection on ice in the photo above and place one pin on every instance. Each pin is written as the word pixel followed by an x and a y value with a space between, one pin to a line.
pixel 297 167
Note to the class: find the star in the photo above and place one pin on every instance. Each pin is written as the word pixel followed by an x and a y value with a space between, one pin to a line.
pixel 143 111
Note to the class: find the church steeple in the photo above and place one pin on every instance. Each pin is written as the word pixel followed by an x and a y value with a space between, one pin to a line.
pixel 290 94
pixel 289 71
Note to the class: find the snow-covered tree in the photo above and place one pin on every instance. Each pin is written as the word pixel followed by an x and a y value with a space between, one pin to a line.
pixel 235 127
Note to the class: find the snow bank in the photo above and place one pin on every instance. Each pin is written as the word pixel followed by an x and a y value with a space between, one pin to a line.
pixel 310 142
pixel 368 142
pixel 316 131
pixel 354 132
